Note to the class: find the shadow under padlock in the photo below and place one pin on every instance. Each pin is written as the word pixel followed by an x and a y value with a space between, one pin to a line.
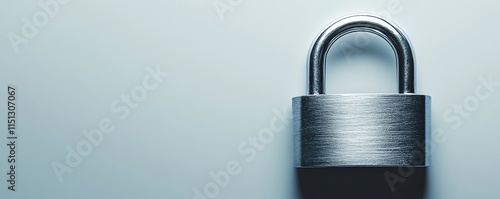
pixel 362 182
pixel 386 157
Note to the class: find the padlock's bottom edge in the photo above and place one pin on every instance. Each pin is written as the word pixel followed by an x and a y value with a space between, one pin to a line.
pixel 357 166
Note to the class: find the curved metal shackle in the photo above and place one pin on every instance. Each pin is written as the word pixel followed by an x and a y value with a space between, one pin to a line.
pixel 361 23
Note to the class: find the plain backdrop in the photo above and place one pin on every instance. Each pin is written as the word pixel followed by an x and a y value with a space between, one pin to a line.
pixel 233 67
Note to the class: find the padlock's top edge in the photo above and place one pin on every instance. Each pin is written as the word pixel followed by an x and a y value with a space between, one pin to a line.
pixel 365 95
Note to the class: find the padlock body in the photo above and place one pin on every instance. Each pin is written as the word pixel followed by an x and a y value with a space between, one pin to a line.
pixel 347 130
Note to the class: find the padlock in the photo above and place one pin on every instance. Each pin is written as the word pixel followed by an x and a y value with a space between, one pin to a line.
pixel 351 130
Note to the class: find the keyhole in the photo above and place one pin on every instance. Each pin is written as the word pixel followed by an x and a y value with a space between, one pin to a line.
pixel 361 62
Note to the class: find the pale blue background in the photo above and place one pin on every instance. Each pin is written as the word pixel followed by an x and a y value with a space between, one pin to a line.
pixel 227 78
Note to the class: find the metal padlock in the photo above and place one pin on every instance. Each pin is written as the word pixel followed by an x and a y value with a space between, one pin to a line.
pixel 344 130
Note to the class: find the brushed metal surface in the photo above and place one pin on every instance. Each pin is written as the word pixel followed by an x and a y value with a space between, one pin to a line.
pixel 361 130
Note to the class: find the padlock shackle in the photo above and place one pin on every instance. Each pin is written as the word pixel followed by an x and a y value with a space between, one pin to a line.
pixel 361 23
